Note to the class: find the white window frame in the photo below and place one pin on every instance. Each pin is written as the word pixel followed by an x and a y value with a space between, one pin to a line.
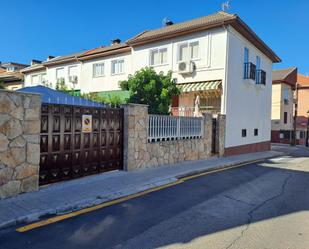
pixel 93 70
pixel 188 44
pixel 35 75
pixel 59 68
pixel 115 61
pixel 159 49
pixel 41 77
pixel 69 70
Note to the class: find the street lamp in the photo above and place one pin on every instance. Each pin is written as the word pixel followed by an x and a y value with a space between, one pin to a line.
pixel 307 136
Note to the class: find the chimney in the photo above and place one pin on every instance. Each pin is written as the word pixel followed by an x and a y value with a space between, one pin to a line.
pixel 169 23
pixel 116 41
pixel 50 57
pixel 35 62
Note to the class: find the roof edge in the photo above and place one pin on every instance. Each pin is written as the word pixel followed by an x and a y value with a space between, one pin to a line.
pixel 232 19
pixel 104 53
pixel 32 69
pixel 249 34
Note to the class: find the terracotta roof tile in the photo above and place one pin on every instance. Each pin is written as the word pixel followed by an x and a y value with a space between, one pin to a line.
pixel 218 17
pixel 303 80
pixel 36 67
pixel 204 23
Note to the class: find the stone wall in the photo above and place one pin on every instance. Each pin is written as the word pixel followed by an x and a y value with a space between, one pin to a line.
pixel 138 153
pixel 19 142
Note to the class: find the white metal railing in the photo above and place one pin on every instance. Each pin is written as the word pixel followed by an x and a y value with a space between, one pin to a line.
pixel 166 128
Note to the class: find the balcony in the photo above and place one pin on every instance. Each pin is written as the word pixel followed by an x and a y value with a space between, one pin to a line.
pixel 249 71
pixel 261 77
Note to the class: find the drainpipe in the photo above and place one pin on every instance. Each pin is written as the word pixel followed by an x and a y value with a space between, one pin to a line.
pixel 223 110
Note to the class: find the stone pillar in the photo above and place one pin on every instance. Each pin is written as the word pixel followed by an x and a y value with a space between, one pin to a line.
pixel 135 136
pixel 207 134
pixel 221 127
pixel 19 142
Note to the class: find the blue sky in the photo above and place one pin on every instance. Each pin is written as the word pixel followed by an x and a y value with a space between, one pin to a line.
pixel 33 29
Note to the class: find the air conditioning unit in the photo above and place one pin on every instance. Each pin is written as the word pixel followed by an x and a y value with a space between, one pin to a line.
pixel 186 67
pixel 73 79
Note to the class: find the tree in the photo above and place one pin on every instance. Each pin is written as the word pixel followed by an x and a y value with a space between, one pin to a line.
pixel 148 87
pixel 113 101
pixel 2 85
pixel 61 86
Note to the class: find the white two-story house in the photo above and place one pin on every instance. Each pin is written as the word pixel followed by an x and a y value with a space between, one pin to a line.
pixel 221 60
pixel 217 58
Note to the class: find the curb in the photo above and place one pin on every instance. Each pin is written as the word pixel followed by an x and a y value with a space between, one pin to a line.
pixel 226 166
pixel 64 209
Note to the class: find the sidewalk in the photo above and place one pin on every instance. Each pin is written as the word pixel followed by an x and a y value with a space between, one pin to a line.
pixel 73 195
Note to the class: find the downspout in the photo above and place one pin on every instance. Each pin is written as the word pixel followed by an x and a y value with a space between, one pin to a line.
pixel 223 108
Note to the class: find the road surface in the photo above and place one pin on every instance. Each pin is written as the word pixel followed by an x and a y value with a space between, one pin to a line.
pixel 261 205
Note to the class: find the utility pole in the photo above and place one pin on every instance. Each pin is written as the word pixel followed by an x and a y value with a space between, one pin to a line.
pixel 295 113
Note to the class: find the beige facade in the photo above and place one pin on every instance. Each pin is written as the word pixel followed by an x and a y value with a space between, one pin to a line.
pixel 282 107
pixel 283 102
pixel 11 76
pixel 303 95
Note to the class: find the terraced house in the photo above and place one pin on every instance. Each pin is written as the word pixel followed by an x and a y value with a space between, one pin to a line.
pixel 217 58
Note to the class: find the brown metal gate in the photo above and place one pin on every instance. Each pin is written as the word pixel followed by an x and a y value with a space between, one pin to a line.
pixel 67 152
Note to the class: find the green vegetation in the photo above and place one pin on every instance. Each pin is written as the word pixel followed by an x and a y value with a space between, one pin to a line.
pixel 2 85
pixel 155 90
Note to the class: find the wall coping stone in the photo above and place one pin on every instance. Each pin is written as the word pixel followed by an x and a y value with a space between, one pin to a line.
pixel 17 92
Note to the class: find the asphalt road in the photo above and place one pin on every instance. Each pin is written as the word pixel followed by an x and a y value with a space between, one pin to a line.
pixel 264 205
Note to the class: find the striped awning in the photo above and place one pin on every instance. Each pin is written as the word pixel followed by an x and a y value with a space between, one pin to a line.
pixel 200 86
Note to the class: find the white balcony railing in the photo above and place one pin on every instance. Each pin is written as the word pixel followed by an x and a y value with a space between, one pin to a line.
pixel 167 128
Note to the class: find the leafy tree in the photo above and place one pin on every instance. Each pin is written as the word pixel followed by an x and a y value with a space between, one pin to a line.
pixel 2 85
pixel 61 86
pixel 112 100
pixel 148 87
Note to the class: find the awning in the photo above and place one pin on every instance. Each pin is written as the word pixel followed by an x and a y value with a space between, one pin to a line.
pixel 200 86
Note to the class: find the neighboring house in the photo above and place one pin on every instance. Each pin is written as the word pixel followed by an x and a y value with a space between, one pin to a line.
pixel 94 70
pixel 35 74
pixel 11 76
pixel 303 108
pixel 284 82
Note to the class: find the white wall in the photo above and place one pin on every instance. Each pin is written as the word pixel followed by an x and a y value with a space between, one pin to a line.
pixel 107 82
pixel 28 79
pixel 209 66
pixel 248 105
pixel 51 74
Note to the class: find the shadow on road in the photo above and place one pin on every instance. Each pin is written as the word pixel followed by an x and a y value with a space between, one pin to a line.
pixel 180 214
